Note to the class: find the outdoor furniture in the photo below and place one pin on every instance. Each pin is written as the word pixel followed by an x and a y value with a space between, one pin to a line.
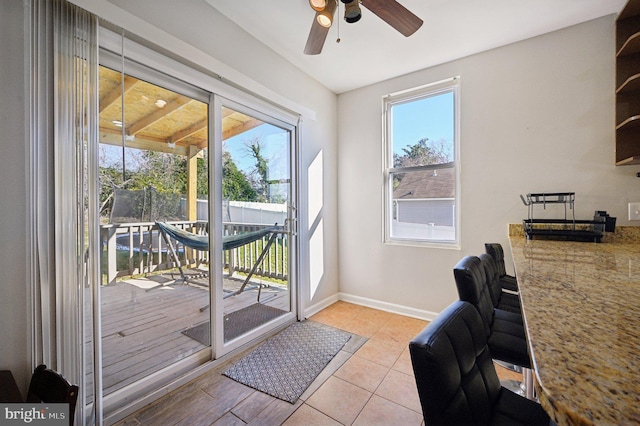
pixel 229 242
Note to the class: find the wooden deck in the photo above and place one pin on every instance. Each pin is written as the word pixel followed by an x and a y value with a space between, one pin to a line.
pixel 143 320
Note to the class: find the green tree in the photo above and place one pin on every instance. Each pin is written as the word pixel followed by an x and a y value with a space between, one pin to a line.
pixel 203 178
pixel 164 172
pixel 423 153
pixel 235 185
pixel 259 174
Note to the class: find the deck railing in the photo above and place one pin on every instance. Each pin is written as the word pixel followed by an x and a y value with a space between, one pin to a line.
pixel 130 249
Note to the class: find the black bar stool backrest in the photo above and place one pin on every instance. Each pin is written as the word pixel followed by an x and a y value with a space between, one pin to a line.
pixel 492 277
pixel 456 379
pixel 496 251
pixel 457 382
pixel 472 287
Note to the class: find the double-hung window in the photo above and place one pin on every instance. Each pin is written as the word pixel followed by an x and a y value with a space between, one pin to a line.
pixel 421 170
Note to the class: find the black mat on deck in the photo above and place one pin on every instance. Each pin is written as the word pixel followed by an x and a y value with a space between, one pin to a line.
pixel 236 323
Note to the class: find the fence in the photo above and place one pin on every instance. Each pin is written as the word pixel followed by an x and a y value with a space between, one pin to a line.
pixel 138 248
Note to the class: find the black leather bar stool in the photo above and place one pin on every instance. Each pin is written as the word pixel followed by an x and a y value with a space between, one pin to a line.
pixel 509 302
pixel 457 382
pixel 509 282
pixel 502 300
pixel 504 330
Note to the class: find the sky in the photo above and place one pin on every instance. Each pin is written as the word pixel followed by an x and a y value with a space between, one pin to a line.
pixel 430 117
pixel 274 142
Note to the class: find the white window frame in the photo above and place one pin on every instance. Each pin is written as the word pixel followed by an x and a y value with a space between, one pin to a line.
pixel 417 93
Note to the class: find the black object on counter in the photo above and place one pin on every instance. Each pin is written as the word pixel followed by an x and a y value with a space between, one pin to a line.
pixel 564 229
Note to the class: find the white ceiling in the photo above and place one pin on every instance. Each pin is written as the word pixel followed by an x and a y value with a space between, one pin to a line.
pixel 372 51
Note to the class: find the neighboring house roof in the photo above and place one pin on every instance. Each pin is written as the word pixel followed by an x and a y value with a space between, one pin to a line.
pixel 435 183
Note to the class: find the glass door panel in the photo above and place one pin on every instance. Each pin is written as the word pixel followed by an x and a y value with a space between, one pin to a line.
pixel 256 209
pixel 153 168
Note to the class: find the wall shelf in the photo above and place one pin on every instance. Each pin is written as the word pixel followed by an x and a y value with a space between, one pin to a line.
pixel 631 84
pixel 631 46
pixel 628 85
pixel 630 161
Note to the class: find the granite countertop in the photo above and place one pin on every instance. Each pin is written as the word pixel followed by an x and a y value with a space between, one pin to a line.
pixel 581 307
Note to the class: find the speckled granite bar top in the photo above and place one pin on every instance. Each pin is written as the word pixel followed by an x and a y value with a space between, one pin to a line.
pixel 581 306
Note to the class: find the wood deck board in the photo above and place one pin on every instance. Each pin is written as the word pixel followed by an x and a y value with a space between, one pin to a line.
pixel 142 328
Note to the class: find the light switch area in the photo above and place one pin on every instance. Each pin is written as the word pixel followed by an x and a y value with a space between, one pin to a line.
pixel 634 211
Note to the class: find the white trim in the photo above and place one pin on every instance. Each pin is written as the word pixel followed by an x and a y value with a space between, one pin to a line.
pixel 371 303
pixel 389 307
pixel 317 307
pixel 404 96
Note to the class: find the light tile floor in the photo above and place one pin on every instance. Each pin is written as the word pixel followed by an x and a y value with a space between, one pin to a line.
pixel 371 384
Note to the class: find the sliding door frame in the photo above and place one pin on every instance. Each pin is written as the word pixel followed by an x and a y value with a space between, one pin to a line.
pixel 144 62
pixel 221 348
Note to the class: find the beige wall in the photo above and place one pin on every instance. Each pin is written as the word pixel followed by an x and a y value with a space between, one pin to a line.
pixel 536 116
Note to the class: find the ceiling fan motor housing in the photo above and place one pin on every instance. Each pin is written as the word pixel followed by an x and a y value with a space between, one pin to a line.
pixel 352 11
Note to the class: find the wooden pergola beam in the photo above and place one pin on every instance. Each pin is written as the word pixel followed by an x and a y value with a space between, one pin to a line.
pixel 158 115
pixel 242 127
pixel 113 137
pixel 192 183
pixel 115 94
pixel 191 130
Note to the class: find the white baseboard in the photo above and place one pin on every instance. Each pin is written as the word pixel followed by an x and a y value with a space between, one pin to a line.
pixel 371 303
pixel 314 309
pixel 389 307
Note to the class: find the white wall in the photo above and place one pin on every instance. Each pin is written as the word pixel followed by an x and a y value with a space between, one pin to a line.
pixel 536 116
pixel 13 287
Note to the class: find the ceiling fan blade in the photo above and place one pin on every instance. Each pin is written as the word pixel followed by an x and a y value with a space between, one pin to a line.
pixel 317 36
pixel 394 14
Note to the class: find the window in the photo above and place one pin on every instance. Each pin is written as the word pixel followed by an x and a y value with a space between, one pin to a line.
pixel 421 165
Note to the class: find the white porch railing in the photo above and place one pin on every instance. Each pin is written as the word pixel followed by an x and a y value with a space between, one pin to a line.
pixel 138 248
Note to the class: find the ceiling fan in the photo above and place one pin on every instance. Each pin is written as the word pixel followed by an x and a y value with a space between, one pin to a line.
pixel 390 11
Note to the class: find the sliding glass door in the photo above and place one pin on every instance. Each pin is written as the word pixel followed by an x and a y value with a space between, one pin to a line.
pixel 154 140
pixel 166 218
pixel 197 228
pixel 256 289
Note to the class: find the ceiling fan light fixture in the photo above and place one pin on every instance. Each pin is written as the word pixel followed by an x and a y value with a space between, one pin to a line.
pixel 318 5
pixel 325 17
pixel 352 12
pixel 324 20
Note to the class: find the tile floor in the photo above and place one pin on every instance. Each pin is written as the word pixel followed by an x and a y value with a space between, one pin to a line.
pixel 370 384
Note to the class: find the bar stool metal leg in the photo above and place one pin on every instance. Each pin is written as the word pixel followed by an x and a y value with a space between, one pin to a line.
pixel 527 381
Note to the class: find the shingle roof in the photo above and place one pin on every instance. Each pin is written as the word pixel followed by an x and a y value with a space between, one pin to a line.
pixel 435 183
